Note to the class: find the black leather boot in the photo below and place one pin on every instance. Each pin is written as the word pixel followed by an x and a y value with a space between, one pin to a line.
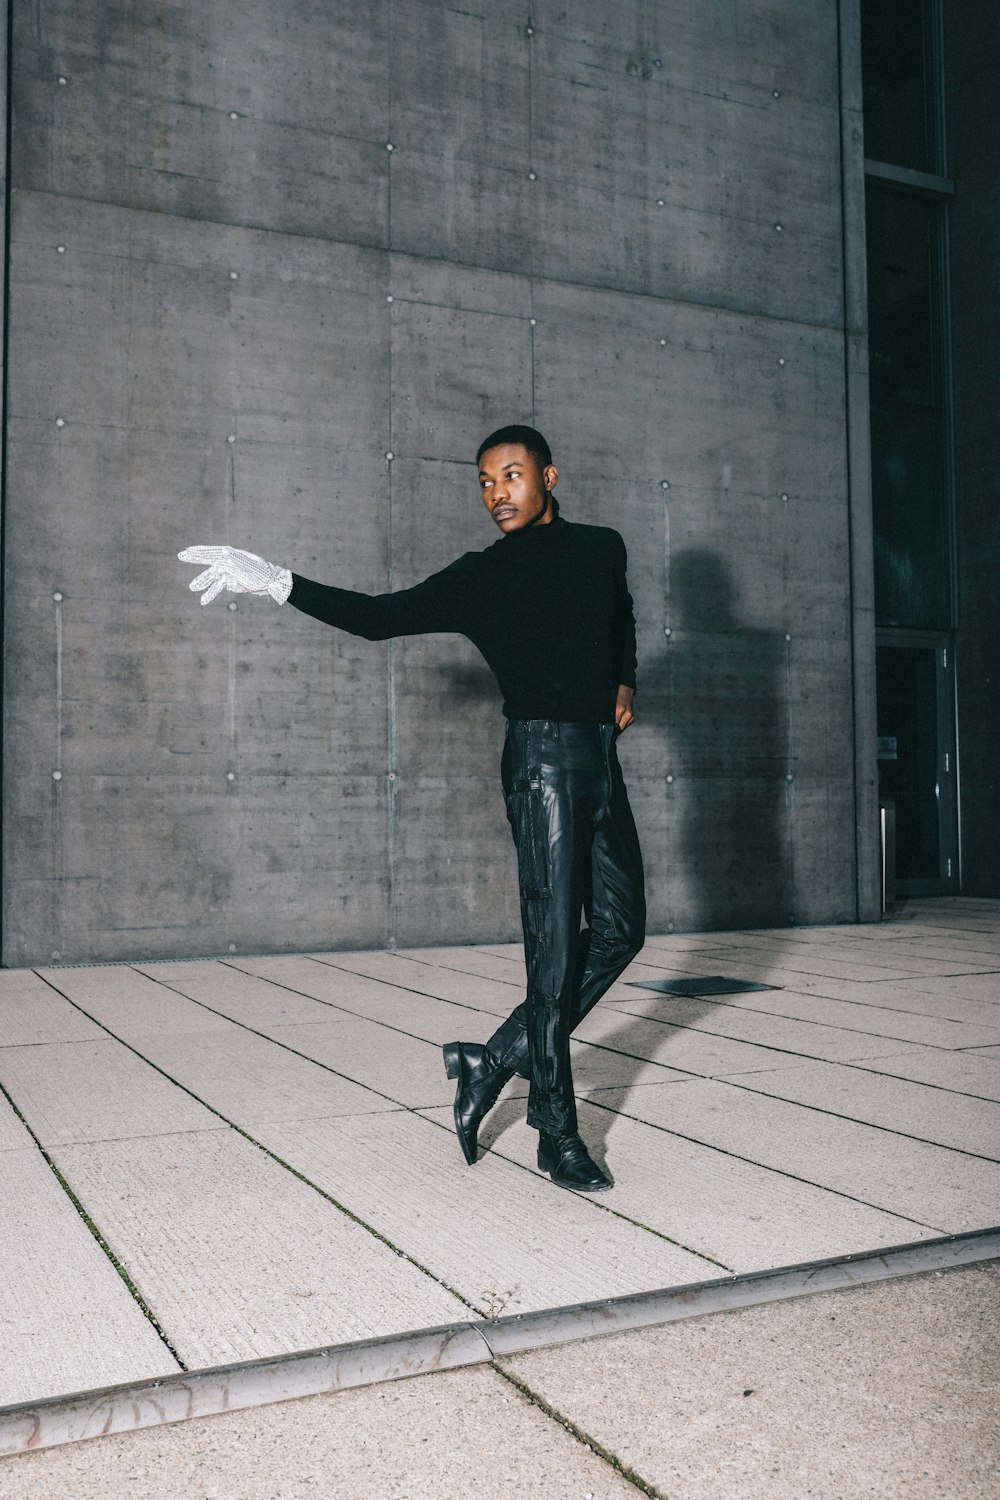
pixel 568 1163
pixel 480 1080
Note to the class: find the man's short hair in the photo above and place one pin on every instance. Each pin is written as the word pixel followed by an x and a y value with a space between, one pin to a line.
pixel 528 437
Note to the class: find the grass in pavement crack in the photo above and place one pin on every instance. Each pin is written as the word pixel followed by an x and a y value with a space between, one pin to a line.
pixel 626 1472
pixel 134 1291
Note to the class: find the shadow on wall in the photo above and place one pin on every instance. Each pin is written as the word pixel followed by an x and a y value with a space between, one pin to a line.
pixel 718 694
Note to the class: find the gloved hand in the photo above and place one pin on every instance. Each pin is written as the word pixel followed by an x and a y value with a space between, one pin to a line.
pixel 239 572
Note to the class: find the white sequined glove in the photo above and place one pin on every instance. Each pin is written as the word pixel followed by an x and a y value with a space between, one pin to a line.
pixel 239 572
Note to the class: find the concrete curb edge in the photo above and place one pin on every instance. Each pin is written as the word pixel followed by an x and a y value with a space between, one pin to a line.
pixel 200 1393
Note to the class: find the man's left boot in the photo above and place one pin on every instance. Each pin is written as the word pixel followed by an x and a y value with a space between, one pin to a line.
pixel 480 1080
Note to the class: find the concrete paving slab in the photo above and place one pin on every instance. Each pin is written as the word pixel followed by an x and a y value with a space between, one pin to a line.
pixel 884 1391
pixel 902 997
pixel 914 1109
pixel 756 1029
pixel 462 988
pixel 927 1184
pixel 241 996
pixel 437 1437
pixel 67 1319
pixel 248 1078
pixel 823 959
pixel 778 960
pixel 14 1136
pixel 403 1068
pixel 680 1048
pixel 961 1072
pixel 93 1091
pixel 468 961
pixel 964 986
pixel 32 1012
pixel 860 1015
pixel 494 1232
pixel 435 1020
pixel 743 1216
pixel 236 1257
pixel 991 1052
pixel 129 1004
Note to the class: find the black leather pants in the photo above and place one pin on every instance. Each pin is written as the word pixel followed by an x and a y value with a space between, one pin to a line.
pixel 577 856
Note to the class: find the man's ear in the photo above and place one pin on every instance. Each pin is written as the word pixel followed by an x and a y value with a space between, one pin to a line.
pixel 550 475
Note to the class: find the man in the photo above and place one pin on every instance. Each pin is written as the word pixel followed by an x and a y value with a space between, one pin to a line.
pixel 549 608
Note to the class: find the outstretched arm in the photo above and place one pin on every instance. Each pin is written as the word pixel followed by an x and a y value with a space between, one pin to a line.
pixel 437 604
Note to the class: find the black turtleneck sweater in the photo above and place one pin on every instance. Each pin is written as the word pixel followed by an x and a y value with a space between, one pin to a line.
pixel 548 608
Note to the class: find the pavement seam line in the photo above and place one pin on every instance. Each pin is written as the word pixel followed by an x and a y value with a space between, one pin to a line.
pixel 836 1114
pixel 625 1471
pixel 760 1009
pixel 95 1232
pixel 322 1192
pixel 778 1171
pixel 411 1109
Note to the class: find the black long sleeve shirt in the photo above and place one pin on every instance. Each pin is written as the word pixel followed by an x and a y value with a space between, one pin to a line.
pixel 549 609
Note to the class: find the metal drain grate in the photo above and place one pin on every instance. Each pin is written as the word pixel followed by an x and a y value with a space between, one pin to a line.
pixel 710 984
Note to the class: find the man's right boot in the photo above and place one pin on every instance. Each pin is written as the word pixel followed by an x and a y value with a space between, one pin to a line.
pixel 480 1079
pixel 568 1163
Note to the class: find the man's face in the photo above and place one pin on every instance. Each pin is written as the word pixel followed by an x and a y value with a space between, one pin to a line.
pixel 515 488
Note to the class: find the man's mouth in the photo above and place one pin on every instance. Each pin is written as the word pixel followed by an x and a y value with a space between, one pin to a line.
pixel 504 513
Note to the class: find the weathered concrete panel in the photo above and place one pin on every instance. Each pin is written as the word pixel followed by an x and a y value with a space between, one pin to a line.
pixel 256 302
pixel 146 114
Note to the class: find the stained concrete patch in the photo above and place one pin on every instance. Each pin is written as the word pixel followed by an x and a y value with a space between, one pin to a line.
pixel 926 1184
pixel 440 1437
pixel 884 1391
pixel 236 1257
pixel 91 1091
pixel 499 1235
pixel 67 1318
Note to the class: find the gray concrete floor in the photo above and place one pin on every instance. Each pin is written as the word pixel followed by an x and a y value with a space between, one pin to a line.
pixel 226 1159
pixel 886 1391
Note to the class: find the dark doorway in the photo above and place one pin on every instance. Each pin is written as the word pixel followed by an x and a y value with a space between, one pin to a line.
pixel 916 758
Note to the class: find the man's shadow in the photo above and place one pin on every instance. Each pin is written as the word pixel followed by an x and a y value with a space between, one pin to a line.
pixel 717 697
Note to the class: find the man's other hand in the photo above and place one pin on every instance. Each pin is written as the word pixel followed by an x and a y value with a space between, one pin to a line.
pixel 623 708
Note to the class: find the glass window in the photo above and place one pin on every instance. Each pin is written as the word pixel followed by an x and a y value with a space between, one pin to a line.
pixel 899 74
pixel 908 427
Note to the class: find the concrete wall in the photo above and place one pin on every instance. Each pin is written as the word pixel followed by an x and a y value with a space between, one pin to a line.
pixel 624 223
pixel 972 58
